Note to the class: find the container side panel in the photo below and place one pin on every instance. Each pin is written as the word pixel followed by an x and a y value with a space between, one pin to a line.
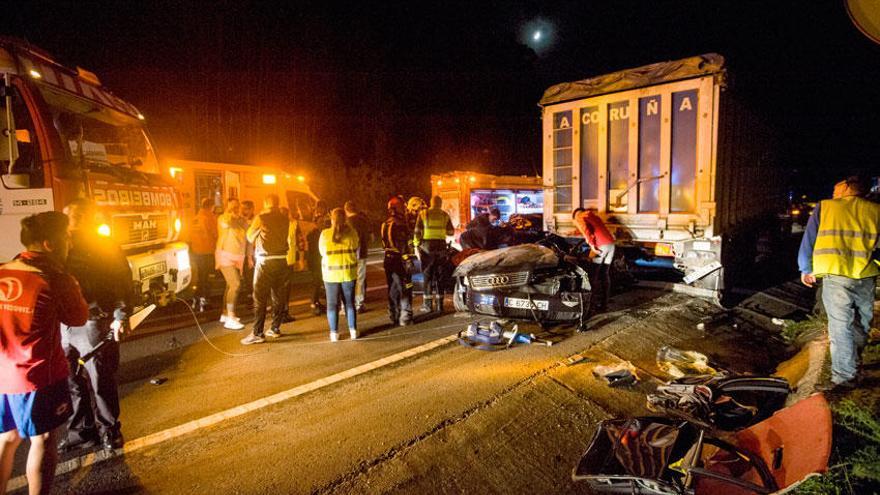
pixel 684 152
pixel 649 154
pixel 618 155
pixel 590 153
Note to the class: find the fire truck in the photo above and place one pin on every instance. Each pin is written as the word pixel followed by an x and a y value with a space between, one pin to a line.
pixel 64 136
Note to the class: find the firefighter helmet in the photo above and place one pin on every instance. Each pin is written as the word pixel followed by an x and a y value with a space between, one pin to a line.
pixel 395 206
pixel 415 204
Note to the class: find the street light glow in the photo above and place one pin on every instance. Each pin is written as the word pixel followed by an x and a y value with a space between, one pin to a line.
pixel 536 36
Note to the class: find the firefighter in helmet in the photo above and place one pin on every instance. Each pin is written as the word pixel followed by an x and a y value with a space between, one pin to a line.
pixel 398 260
pixel 432 227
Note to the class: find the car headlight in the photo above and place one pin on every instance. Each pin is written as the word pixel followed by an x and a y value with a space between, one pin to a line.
pixel 182 260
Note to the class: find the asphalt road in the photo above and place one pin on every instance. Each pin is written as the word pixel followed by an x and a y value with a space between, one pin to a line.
pixel 447 420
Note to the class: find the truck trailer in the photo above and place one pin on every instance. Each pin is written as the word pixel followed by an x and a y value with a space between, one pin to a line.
pixel 681 171
pixel 64 136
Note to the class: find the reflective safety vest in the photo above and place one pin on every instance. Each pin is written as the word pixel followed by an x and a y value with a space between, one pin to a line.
pixel 433 222
pixel 849 232
pixel 339 260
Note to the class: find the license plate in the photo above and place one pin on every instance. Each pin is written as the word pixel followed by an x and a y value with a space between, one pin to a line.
pixel 150 271
pixel 518 303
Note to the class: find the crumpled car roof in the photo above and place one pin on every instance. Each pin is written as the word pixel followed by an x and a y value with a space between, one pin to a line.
pixel 520 257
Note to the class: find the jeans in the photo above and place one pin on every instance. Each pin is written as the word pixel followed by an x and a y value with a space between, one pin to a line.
pixel 270 276
pixel 432 252
pixel 204 265
pixel 849 303
pixel 333 289
pixel 400 288
pixel 99 379
pixel 313 261
pixel 360 289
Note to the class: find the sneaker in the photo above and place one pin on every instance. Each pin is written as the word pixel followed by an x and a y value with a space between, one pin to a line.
pixel 252 339
pixel 69 445
pixel 287 318
pixel 317 310
pixel 334 337
pixel 222 318
pixel 361 309
pixel 203 304
pixel 425 309
pixel 273 333
pixel 353 334
pixel 112 441
pixel 232 323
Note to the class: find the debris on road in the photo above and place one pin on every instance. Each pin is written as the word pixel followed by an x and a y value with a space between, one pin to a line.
pixel 158 380
pixel 678 363
pixel 574 359
pixel 493 336
pixel 618 375
pixel 652 455
pixel 714 319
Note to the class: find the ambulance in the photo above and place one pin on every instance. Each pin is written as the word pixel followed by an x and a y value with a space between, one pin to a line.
pixel 64 136
pixel 469 194
pixel 220 182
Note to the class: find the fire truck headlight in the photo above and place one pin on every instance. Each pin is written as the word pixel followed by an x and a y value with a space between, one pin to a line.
pixel 182 260
pixel 269 179
pixel 177 225
pixel 104 230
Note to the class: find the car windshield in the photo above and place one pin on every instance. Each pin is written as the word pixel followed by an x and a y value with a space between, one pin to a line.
pixel 96 137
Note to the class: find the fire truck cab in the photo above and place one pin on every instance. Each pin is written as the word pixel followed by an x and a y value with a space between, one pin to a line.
pixel 64 136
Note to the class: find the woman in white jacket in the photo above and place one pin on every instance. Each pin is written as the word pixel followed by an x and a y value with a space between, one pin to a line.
pixel 231 242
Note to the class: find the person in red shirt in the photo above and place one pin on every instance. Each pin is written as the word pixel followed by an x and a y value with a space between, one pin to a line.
pixel 36 296
pixel 203 242
pixel 601 244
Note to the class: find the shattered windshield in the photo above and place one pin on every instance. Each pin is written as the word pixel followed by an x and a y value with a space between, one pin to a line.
pixel 527 256
pixel 96 137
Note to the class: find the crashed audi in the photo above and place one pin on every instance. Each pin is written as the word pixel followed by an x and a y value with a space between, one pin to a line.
pixel 526 282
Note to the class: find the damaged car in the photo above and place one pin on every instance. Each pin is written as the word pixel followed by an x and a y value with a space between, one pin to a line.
pixel 537 282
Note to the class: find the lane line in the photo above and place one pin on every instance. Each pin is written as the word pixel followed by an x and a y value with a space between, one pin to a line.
pixel 155 438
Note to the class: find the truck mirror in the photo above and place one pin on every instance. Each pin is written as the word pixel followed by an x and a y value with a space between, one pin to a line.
pixel 16 181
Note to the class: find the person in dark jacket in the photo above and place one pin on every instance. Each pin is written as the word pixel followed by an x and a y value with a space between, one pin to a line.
pixel 268 232
pixel 103 273
pixel 320 222
pixel 359 222
pixel 398 255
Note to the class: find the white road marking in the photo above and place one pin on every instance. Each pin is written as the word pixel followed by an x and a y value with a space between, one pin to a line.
pixel 210 420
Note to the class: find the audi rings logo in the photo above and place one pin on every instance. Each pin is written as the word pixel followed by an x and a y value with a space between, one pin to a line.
pixel 498 280
pixel 10 289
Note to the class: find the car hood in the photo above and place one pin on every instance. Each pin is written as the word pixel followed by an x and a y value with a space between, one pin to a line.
pixel 515 258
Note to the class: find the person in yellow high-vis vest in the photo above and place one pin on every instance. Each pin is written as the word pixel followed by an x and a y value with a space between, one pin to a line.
pixel 339 247
pixel 839 246
pixel 431 229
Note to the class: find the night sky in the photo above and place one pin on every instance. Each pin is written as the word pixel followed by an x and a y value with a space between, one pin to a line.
pixel 425 87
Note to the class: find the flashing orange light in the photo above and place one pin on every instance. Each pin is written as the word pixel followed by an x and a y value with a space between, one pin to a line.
pixel 35 74
pixel 795 212
pixel 269 179
pixel 472 178
pixel 104 230
pixel 177 225
pixel 174 171
pixel 301 178
pixel 457 180
pixel 439 183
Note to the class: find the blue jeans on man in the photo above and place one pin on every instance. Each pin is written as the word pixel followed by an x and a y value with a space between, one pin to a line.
pixel 849 303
